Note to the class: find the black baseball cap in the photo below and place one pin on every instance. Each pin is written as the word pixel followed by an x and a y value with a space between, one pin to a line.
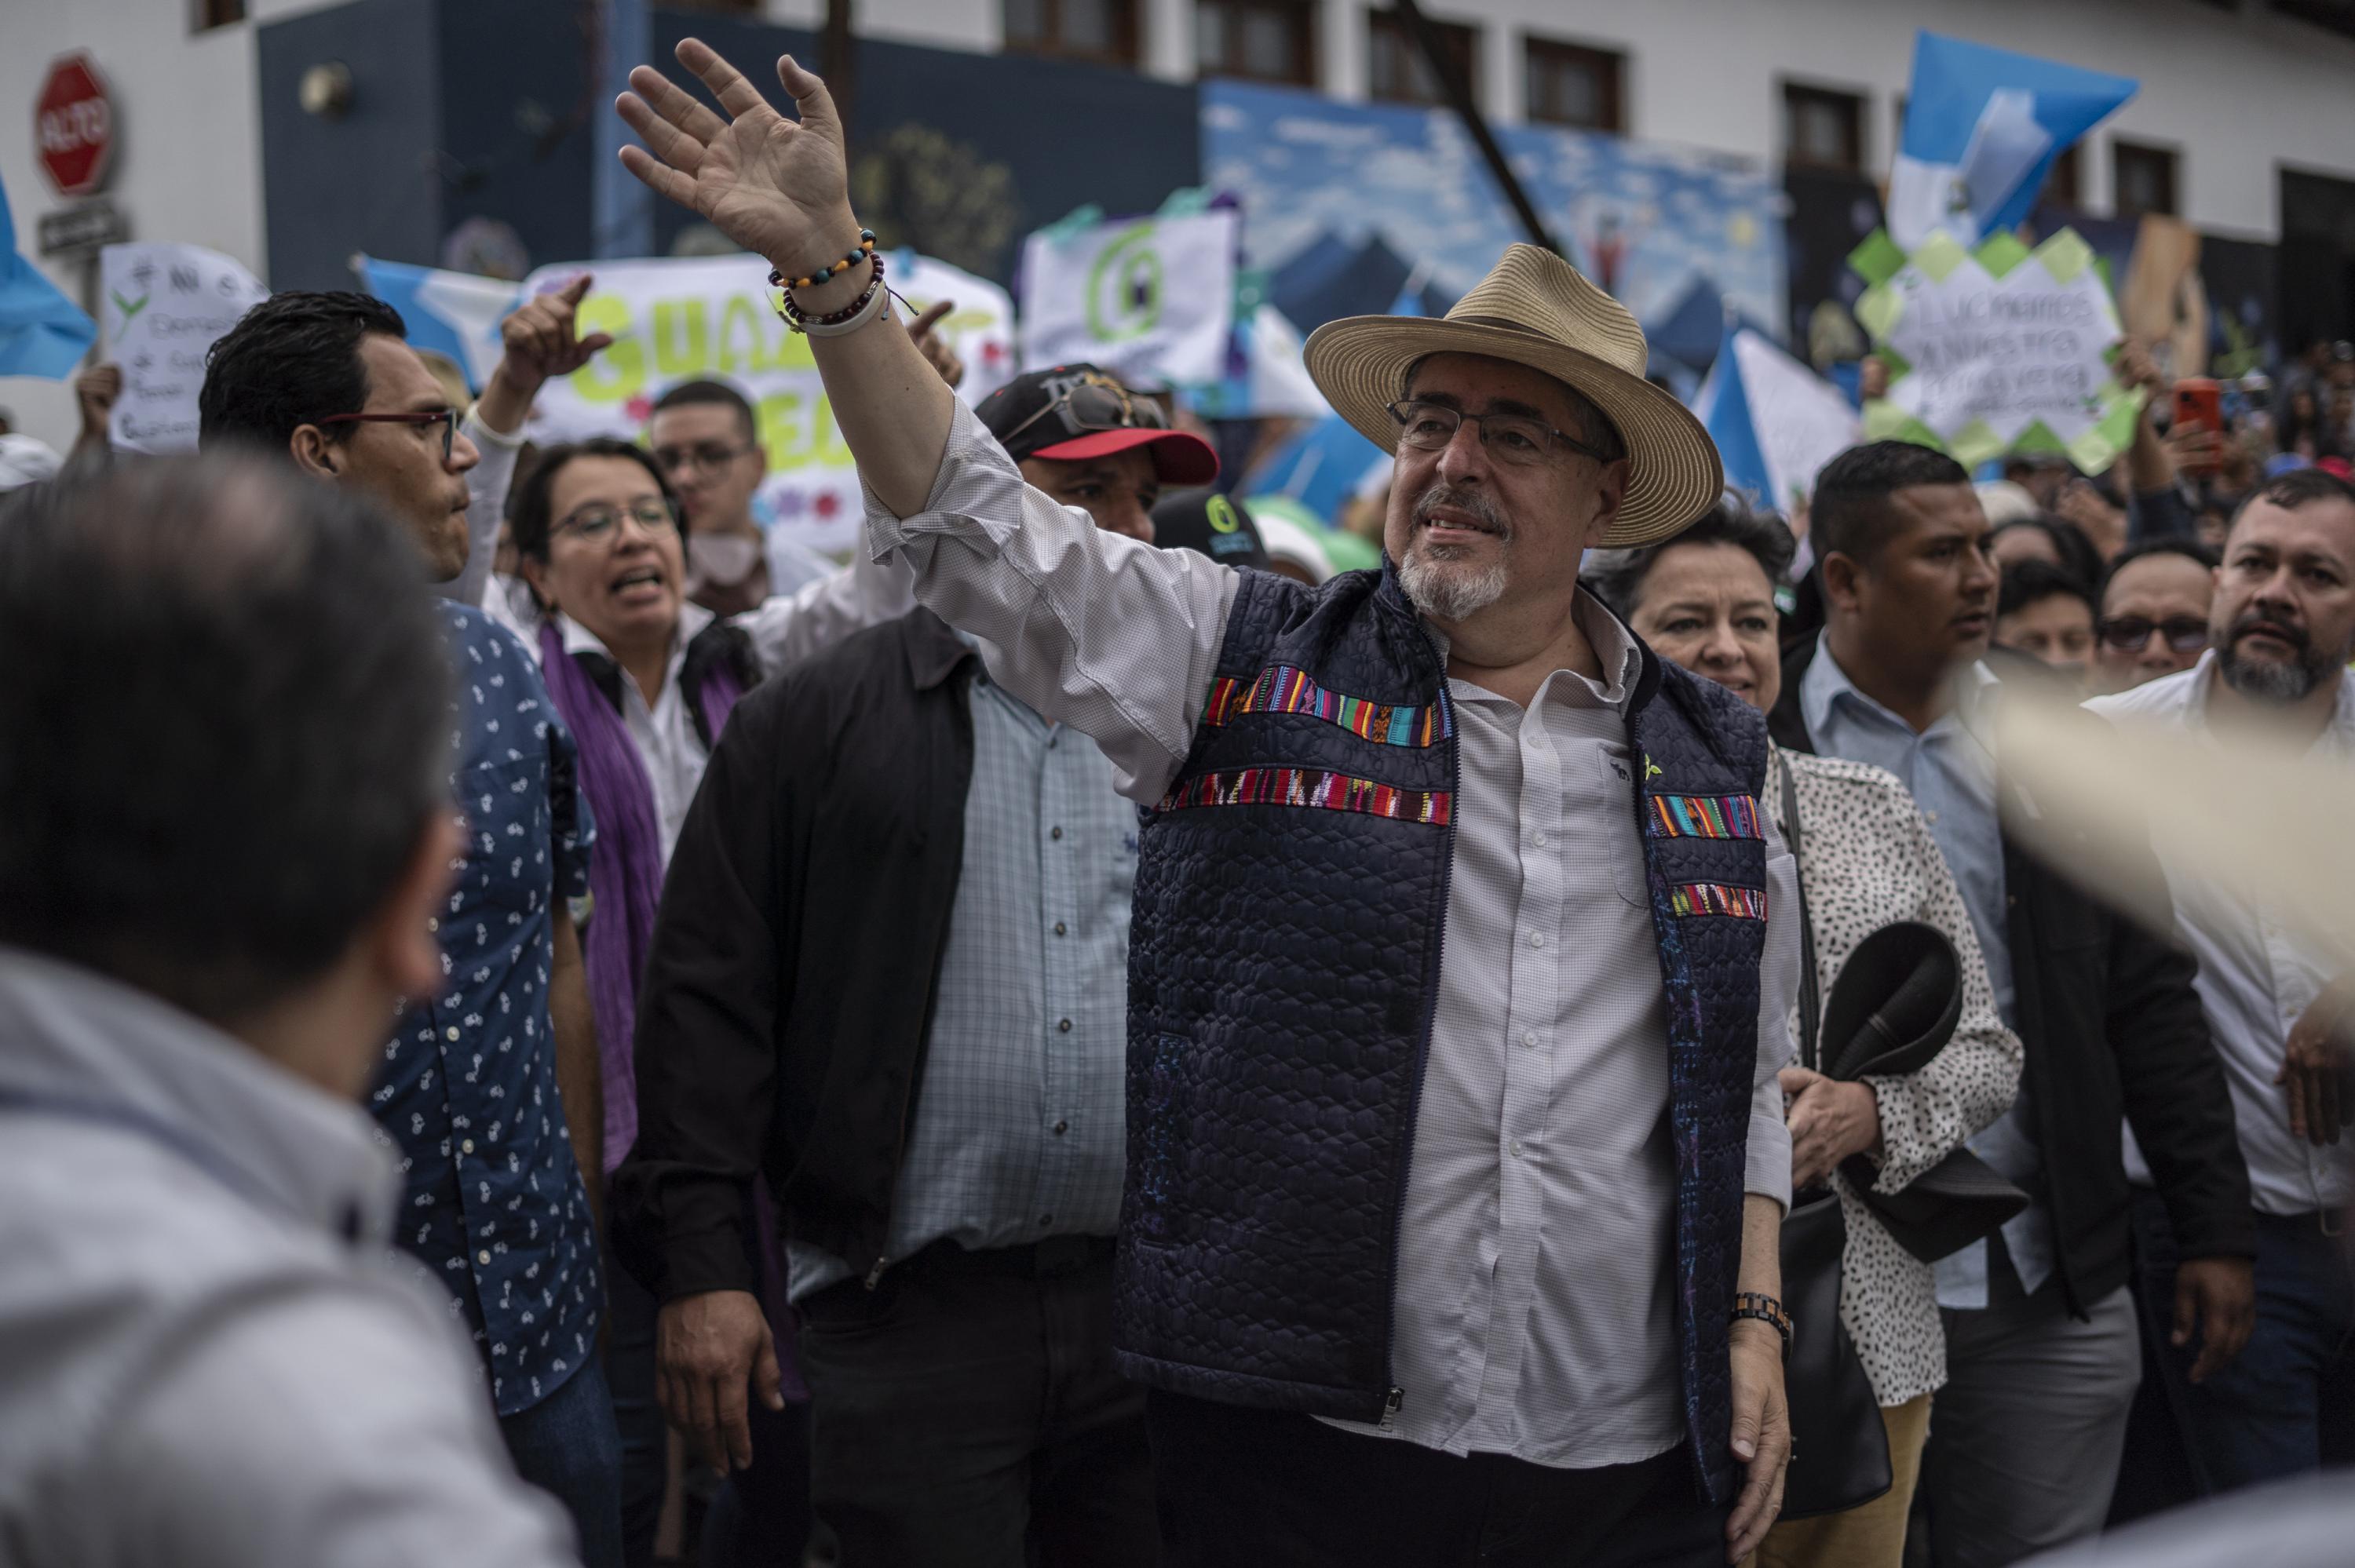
pixel 1214 524
pixel 1073 412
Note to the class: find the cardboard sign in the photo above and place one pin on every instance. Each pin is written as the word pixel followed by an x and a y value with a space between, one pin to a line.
pixel 164 306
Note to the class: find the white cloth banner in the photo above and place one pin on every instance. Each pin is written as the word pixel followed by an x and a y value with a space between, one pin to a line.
pixel 166 305
pixel 715 319
pixel 1149 300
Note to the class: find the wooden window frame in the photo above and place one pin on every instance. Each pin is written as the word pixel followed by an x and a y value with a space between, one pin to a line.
pixel 1611 65
pixel 205 15
pixel 1300 13
pixel 1384 23
pixel 1127 47
pixel 2122 153
pixel 1856 107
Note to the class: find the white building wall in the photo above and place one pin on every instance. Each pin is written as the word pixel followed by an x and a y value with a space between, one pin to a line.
pixel 2237 95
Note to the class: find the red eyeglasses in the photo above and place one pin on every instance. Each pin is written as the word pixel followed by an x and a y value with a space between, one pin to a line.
pixel 446 417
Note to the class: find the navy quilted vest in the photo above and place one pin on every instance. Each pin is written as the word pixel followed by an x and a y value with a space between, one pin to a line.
pixel 1284 965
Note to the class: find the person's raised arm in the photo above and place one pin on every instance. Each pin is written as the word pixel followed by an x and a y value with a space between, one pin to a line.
pixel 780 189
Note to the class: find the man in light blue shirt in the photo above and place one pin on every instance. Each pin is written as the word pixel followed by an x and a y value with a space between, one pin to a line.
pixel 2044 1354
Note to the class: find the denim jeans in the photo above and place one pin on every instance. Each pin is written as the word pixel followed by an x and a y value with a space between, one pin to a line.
pixel 2287 1404
pixel 567 1446
pixel 638 1412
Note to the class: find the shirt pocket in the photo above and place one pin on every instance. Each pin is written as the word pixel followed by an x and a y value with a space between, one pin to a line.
pixel 1614 813
pixel 508 831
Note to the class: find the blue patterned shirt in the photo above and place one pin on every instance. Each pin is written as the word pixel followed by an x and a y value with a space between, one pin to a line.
pixel 494 1204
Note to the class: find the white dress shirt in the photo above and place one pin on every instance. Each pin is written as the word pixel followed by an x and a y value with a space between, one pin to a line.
pixel 1535 1315
pixel 670 747
pixel 2255 979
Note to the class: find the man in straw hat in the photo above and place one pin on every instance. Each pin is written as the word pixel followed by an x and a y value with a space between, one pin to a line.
pixel 1461 952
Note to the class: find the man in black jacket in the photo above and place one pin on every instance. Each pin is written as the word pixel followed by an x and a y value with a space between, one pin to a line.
pixel 2042 1342
pixel 889 973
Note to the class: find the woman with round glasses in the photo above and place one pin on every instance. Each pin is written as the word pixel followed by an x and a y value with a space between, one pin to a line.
pixel 2154 612
pixel 646 680
pixel 1705 598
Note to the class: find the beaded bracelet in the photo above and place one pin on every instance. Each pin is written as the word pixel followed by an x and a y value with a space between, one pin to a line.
pixel 865 248
pixel 836 324
pixel 1767 1310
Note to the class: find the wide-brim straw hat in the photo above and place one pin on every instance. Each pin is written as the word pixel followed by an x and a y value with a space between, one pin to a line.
pixel 1536 310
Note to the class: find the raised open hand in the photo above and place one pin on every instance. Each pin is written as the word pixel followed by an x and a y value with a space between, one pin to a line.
pixel 776 188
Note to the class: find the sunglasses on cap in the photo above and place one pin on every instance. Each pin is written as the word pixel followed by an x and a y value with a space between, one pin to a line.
pixel 2131 633
pixel 1092 401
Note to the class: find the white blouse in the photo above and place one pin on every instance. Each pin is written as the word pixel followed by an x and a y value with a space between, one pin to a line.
pixel 1866 859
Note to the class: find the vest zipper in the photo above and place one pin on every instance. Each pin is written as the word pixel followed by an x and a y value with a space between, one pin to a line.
pixel 1396 1397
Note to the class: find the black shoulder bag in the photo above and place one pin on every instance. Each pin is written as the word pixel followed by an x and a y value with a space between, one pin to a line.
pixel 1839 1457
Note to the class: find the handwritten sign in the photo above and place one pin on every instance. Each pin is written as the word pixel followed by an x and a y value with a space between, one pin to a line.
pixel 697 319
pixel 164 305
pixel 1997 349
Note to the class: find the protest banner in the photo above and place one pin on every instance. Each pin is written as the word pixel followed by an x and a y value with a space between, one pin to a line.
pixel 166 305
pixel 715 318
pixel 1995 350
pixel 1148 300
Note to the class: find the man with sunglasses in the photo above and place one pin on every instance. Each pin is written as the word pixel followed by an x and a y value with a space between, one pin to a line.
pixel 2154 612
pixel 489 1086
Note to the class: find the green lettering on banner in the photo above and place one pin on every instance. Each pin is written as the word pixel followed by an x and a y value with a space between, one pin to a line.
pixel 779 415
pixel 1124 287
pixel 620 373
pixel 739 321
pixel 682 334
pixel 830 450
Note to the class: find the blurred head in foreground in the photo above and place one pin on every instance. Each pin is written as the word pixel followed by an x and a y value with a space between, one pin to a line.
pixel 253 825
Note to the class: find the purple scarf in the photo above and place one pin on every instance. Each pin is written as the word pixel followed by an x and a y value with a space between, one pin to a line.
pixel 626 864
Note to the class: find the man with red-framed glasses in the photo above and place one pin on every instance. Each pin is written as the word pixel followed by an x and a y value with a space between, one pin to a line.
pixel 490 1086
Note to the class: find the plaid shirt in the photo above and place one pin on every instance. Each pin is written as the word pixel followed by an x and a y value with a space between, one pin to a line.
pixel 1020 1119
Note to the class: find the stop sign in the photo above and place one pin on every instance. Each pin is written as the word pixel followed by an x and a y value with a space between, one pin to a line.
pixel 73 126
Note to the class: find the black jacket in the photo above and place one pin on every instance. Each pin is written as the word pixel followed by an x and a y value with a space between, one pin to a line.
pixel 2111 1025
pixel 783 1015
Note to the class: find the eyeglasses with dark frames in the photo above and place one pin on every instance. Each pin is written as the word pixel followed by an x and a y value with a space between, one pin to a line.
pixel 446 417
pixel 2131 633
pixel 1511 438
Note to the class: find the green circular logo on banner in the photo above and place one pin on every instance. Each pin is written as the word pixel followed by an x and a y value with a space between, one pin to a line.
pixel 1222 516
pixel 1124 287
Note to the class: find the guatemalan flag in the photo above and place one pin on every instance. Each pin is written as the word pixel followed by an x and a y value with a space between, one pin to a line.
pixel 1982 129
pixel 456 313
pixel 1775 421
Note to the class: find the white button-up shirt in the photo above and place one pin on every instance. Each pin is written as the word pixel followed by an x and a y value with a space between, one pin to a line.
pixel 2255 979
pixel 662 731
pixel 1534 1308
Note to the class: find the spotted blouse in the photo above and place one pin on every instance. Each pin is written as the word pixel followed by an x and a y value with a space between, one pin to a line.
pixel 494 1205
pixel 1867 859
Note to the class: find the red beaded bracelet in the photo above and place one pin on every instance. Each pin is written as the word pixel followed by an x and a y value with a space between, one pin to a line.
pixel 800 320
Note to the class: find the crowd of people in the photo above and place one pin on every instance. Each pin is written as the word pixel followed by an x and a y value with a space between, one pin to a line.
pixel 1083 1038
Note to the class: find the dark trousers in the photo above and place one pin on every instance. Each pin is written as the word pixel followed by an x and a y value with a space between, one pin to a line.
pixel 965 1414
pixel 565 1445
pixel 1250 1489
pixel 2287 1404
pixel 630 1317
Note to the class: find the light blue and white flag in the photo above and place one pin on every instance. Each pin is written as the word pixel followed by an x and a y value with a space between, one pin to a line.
pixel 1775 421
pixel 1982 129
pixel 42 332
pixel 456 313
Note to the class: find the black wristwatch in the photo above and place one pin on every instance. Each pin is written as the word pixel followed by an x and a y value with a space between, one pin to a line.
pixel 1767 1309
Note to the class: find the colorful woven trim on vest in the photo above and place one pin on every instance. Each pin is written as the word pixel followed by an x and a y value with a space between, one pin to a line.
pixel 1719 898
pixel 1704 817
pixel 1310 787
pixel 1281 689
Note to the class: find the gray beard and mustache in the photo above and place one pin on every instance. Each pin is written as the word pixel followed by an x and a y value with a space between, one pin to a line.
pixel 1436 578
pixel 2268 679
